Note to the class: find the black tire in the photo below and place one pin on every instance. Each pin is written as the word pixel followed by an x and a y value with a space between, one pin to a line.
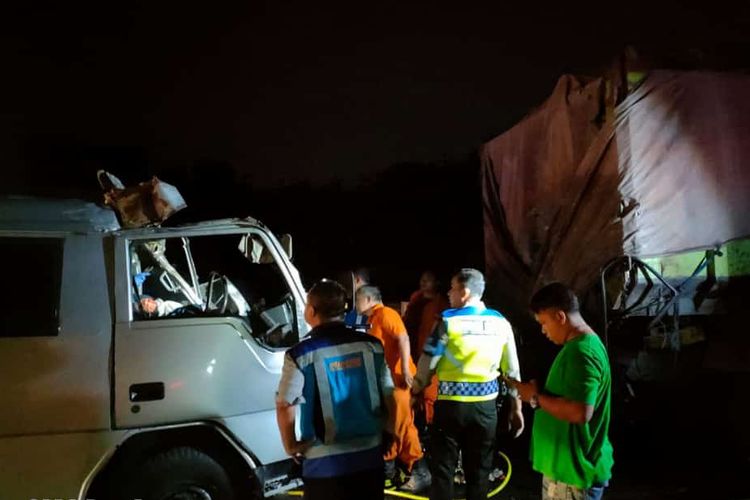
pixel 182 473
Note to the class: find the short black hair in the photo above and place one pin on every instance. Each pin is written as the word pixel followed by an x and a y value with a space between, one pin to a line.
pixel 472 279
pixel 328 298
pixel 555 296
pixel 371 291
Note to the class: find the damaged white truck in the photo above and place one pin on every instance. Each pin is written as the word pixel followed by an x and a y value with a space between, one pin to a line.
pixel 143 362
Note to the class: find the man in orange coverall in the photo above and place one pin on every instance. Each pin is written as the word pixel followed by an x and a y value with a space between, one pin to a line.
pixel 420 318
pixel 387 326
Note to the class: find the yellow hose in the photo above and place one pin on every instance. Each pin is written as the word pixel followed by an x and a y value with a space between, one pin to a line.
pixel 403 494
pixel 502 485
pixel 411 496
pixel 498 489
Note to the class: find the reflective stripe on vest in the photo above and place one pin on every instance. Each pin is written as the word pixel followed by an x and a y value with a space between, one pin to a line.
pixel 470 389
pixel 470 366
pixel 349 423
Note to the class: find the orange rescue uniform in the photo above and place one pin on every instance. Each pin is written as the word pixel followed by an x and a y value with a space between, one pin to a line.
pixel 429 315
pixel 386 325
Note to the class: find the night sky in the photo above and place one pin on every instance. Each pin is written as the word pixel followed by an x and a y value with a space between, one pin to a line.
pixel 331 123
pixel 286 93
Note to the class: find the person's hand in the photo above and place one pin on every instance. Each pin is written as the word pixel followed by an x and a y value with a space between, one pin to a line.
pixel 408 379
pixel 515 422
pixel 525 389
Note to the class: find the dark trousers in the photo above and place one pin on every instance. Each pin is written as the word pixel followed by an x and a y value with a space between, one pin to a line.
pixel 470 428
pixel 365 485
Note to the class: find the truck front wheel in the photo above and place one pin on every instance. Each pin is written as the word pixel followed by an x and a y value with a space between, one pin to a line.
pixel 182 473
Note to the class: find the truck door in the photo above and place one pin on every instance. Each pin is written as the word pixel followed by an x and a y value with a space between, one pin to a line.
pixel 201 332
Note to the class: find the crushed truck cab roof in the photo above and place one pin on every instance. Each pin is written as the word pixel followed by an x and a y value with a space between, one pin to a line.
pixel 24 213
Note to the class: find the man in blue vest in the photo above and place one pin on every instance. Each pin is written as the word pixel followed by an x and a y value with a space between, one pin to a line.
pixel 343 387
pixel 467 350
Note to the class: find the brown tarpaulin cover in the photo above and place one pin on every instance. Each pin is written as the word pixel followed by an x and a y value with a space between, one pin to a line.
pixel 580 180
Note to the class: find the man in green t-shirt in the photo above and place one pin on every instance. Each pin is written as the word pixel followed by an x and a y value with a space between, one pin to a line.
pixel 569 443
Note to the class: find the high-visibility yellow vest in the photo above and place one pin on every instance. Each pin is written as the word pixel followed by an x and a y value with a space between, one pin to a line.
pixel 475 344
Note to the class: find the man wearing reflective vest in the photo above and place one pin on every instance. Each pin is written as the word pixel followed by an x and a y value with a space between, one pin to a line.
pixel 468 350
pixel 344 390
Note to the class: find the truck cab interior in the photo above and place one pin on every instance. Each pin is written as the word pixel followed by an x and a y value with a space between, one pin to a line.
pixel 224 275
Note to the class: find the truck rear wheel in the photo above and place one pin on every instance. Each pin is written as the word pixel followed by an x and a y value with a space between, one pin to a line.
pixel 182 473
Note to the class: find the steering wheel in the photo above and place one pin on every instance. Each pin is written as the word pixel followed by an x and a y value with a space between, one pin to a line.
pixel 219 303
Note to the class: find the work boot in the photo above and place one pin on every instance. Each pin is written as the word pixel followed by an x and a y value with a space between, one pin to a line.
pixel 390 474
pixel 420 478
